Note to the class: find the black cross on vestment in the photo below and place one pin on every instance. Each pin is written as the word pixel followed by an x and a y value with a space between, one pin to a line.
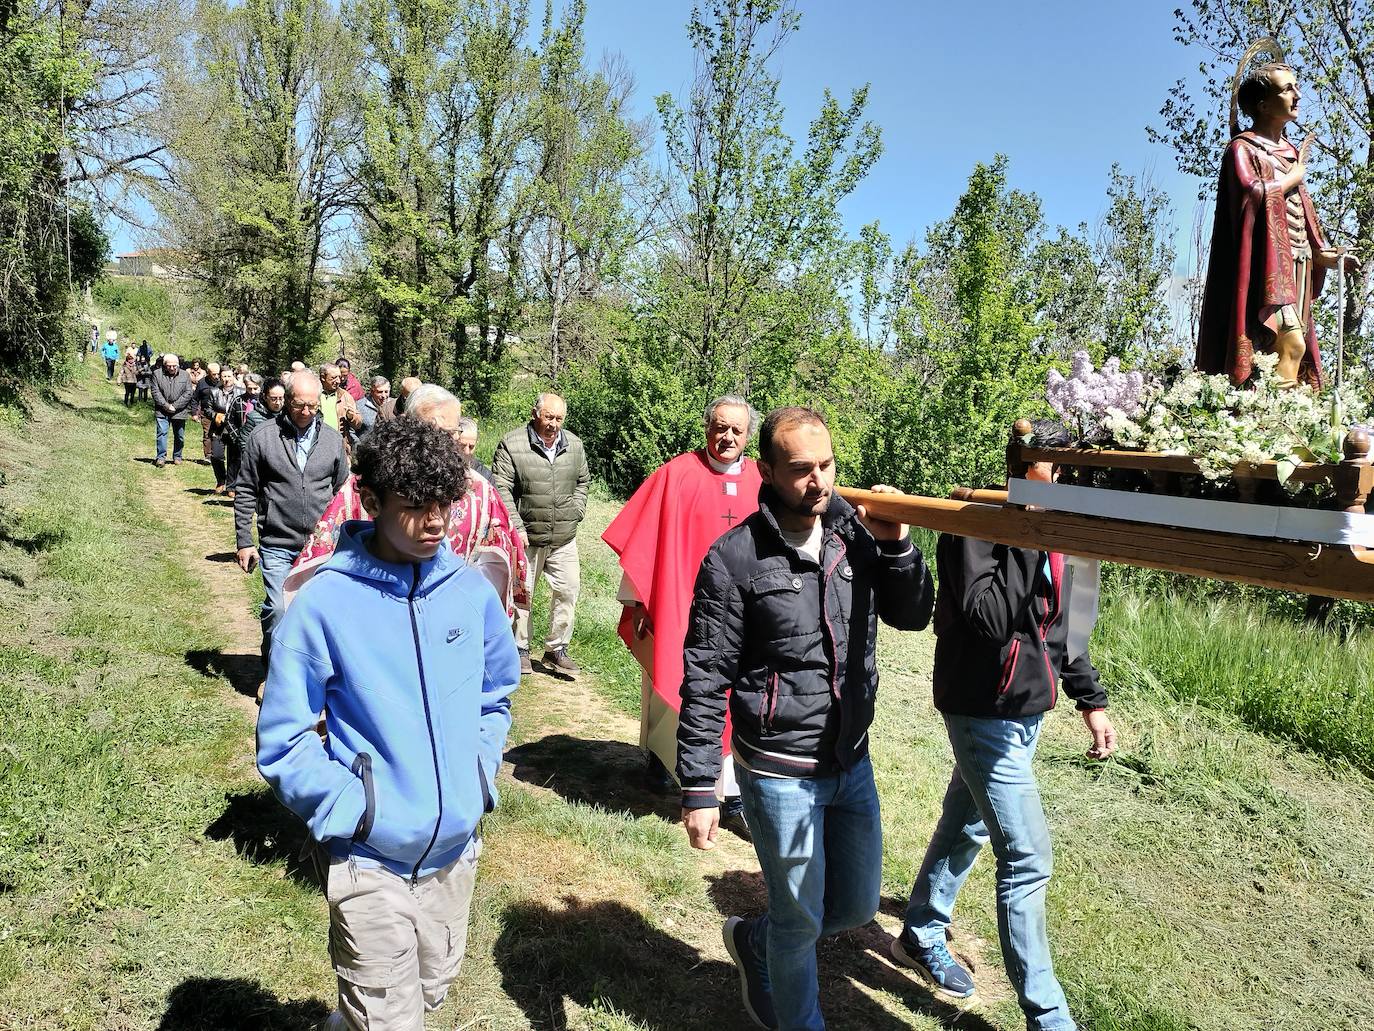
pixel 729 518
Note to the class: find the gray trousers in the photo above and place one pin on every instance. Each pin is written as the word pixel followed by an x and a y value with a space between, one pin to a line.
pixel 395 947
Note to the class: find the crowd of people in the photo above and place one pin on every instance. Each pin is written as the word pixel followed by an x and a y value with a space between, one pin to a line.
pixel 399 572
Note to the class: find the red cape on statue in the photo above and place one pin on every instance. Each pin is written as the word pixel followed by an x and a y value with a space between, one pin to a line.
pixel 661 536
pixel 1250 267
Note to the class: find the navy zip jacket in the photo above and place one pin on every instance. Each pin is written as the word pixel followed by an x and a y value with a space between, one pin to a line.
pixel 1001 631
pixel 791 643
pixel 414 667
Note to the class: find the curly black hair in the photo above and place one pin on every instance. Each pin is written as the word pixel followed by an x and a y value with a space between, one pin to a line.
pixel 413 459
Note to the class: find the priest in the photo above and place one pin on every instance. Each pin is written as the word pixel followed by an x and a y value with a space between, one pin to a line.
pixel 661 536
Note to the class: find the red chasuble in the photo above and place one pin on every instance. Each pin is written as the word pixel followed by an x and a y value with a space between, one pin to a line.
pixel 1250 267
pixel 662 534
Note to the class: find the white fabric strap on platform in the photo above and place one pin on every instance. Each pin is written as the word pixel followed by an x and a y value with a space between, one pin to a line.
pixel 1293 524
pixel 1084 585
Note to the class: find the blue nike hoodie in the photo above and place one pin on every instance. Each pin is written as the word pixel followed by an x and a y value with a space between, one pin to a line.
pixel 414 666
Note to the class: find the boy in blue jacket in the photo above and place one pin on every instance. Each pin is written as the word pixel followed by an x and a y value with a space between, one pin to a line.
pixel 409 653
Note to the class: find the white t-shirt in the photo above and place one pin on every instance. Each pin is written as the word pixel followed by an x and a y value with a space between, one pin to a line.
pixel 808 542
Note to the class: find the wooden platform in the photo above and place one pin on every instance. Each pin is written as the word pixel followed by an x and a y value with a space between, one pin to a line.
pixel 1332 571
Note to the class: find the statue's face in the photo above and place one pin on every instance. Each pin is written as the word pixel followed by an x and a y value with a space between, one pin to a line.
pixel 1282 103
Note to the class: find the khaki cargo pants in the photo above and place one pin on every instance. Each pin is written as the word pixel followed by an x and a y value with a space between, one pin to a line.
pixel 397 948
pixel 563 570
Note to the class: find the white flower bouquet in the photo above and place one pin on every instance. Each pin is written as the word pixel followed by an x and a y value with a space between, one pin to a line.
pixel 1207 418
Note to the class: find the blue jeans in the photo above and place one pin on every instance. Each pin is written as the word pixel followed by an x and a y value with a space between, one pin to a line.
pixel 275 563
pixel 820 844
pixel 992 796
pixel 178 436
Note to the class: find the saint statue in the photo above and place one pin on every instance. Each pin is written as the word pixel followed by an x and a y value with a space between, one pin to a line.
pixel 1269 255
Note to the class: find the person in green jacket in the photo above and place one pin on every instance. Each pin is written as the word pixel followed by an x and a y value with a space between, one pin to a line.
pixel 541 473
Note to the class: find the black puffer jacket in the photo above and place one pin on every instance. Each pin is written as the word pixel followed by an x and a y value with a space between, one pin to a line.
pixel 1001 631
pixel 793 646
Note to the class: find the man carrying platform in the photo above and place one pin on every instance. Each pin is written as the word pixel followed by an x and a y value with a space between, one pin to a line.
pixel 661 536
pixel 1008 633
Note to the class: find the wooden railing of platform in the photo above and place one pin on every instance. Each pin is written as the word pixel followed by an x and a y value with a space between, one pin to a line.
pixel 1330 570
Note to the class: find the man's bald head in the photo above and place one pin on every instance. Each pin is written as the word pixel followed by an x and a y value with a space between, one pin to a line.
pixel 303 398
pixel 409 385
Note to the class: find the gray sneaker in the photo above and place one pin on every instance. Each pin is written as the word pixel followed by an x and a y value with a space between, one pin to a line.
pixel 758 1002
pixel 935 965
pixel 526 667
pixel 556 660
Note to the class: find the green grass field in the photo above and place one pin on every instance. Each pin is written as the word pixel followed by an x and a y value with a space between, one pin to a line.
pixel 1218 874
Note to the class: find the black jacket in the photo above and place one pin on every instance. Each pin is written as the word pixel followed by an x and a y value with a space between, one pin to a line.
pixel 1000 632
pixel 792 644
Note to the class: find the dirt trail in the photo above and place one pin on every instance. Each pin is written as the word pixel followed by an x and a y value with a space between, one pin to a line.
pixel 208 545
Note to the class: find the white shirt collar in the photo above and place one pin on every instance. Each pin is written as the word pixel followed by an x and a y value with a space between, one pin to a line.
pixel 733 469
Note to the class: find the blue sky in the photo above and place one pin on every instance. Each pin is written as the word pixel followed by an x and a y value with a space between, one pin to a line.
pixel 1063 89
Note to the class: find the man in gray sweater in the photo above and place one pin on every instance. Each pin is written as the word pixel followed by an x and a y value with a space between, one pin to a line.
pixel 291 468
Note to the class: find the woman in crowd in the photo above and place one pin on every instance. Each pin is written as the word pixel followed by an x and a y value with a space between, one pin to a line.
pixel 143 369
pixel 215 409
pixel 349 382
pixel 128 376
pixel 240 410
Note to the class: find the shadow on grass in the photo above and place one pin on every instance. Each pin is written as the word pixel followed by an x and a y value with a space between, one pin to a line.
pixel 47 539
pixel 222 556
pixel 243 671
pixel 112 414
pixel 264 832
pixel 231 1004
pixel 609 774
pixel 860 956
pixel 607 954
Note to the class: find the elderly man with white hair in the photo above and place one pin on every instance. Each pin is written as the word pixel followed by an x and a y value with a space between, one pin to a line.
pixel 541 471
pixel 479 526
pixel 370 407
pixel 172 393
pixel 291 467
pixel 661 536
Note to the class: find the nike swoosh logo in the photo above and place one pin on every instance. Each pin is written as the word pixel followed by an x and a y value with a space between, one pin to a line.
pixel 454 634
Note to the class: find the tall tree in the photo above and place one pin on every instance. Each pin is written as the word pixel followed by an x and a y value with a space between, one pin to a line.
pixel 259 185
pixel 48 241
pixel 409 60
pixel 587 154
pixel 1135 254
pixel 945 425
pixel 742 280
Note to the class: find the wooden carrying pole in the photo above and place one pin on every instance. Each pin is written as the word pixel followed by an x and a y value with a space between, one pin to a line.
pixel 1330 570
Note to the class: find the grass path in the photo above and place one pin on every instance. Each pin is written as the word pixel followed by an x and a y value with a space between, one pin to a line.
pixel 1209 878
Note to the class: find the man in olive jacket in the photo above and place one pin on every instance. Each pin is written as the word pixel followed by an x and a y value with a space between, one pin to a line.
pixel 541 473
